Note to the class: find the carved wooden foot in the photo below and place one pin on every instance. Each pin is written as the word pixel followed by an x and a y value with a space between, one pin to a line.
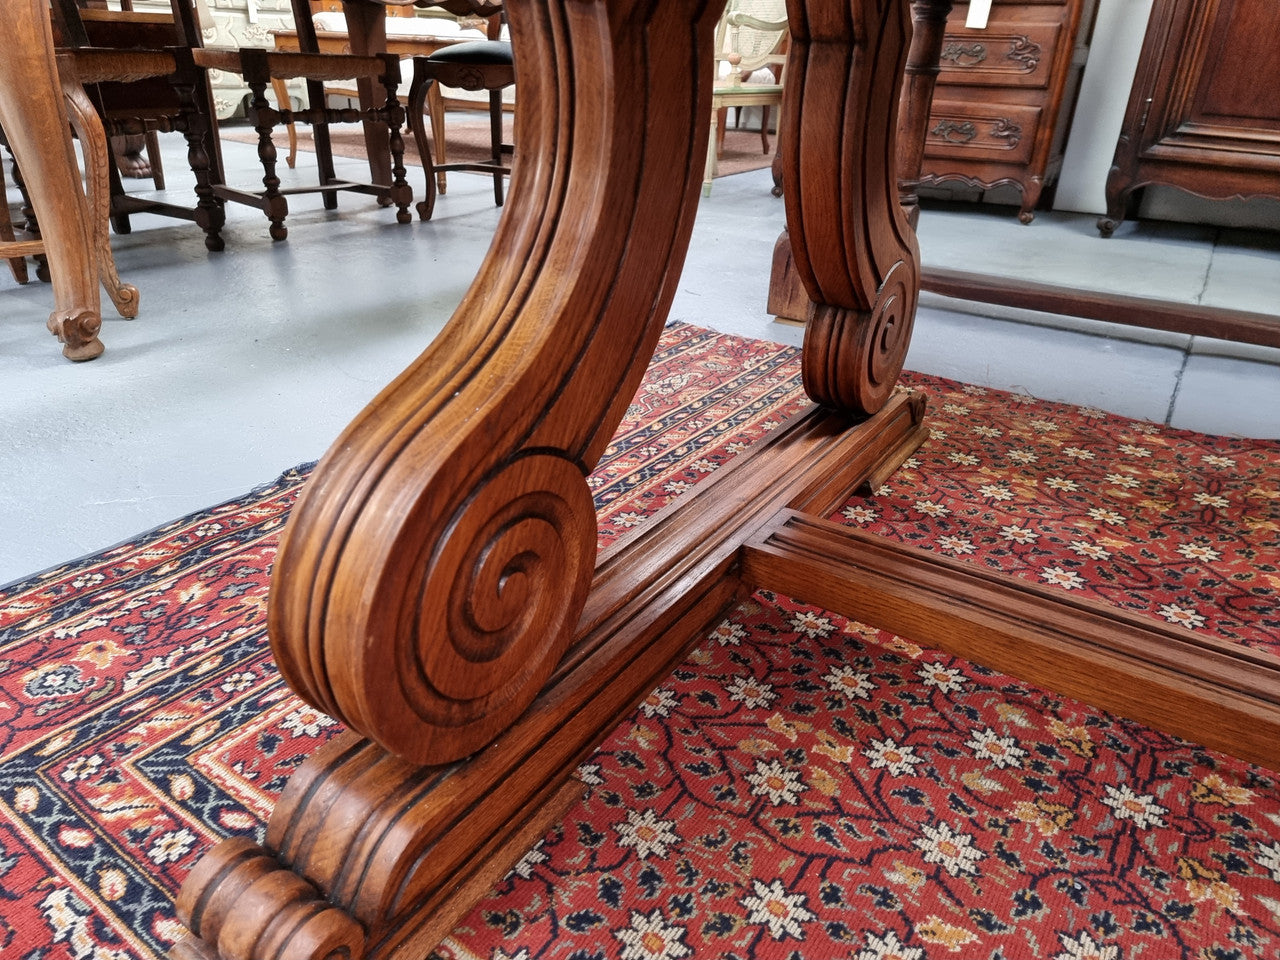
pixel 94 143
pixel 77 332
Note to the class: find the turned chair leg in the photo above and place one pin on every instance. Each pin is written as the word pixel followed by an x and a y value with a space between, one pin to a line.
pixel 274 204
pixel 495 139
pixel 401 194
pixel 198 130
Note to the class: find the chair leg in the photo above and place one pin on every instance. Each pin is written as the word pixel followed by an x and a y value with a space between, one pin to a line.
pixel 400 194
pixel 274 205
pixel 435 105
pixel 722 122
pixel 764 127
pixel 283 103
pixel 31 224
pixel 97 159
pixel 17 265
pixel 419 89
pixel 199 132
pixel 495 140
pixel 712 154
pixel 320 138
pixel 153 158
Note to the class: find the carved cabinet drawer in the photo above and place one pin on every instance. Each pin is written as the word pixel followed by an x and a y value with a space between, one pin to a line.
pixel 1004 96
pixel 1004 54
pixel 998 132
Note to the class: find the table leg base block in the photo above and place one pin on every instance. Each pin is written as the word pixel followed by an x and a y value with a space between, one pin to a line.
pixel 363 842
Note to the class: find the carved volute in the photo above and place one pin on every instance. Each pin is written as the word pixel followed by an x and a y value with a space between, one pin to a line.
pixel 435 568
pixel 855 341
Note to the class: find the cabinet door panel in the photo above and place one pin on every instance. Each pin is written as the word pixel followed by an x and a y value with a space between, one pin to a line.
pixel 1005 133
pixel 1246 33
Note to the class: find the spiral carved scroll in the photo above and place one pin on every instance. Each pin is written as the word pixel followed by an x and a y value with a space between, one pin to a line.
pixel 432 574
pixel 485 605
pixel 853 358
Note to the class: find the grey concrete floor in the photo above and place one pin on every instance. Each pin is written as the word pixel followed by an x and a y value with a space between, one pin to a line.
pixel 246 363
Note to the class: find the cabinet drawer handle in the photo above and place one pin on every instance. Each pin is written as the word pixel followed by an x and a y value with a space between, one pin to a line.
pixel 1005 129
pixel 964 54
pixel 953 131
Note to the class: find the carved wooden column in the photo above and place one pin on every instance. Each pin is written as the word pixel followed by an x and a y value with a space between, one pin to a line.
pixel 860 271
pixel 929 23
pixel 34 118
pixel 437 588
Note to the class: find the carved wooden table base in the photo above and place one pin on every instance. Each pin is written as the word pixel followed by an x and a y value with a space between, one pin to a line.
pixel 437 588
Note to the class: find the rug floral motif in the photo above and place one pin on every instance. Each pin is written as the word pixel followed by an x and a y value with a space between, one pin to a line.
pixel 801 786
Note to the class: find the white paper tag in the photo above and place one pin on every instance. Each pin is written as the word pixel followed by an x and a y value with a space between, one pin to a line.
pixel 979 13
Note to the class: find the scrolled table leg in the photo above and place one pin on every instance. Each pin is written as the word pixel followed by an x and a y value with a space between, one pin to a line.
pixel 34 118
pixel 854 250
pixel 434 572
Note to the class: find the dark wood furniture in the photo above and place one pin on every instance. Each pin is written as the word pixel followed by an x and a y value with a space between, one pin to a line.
pixel 1005 97
pixel 487 65
pixel 1204 111
pixel 118 52
pixel 260 68
pixel 438 589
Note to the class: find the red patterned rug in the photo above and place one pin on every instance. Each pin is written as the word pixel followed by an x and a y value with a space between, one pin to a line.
pixel 802 786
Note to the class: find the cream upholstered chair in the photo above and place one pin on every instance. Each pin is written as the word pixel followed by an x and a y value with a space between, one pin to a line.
pixel 749 68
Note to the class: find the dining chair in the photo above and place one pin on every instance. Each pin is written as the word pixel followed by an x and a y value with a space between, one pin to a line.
pixel 259 68
pixel 487 65
pixel 750 69
pixel 136 70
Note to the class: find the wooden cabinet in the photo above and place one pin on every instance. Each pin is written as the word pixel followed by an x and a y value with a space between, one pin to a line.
pixel 1005 94
pixel 1204 112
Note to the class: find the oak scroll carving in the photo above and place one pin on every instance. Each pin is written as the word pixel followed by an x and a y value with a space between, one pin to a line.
pixel 860 272
pixel 434 571
pixel 439 572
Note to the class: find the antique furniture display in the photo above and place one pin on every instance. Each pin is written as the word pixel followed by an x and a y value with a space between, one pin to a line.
pixel 37 123
pixel 1005 96
pixel 138 73
pixel 1204 110
pixel 471 65
pixel 438 588
pixel 749 38
pixel 366 23
pixel 407 37
pixel 260 68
